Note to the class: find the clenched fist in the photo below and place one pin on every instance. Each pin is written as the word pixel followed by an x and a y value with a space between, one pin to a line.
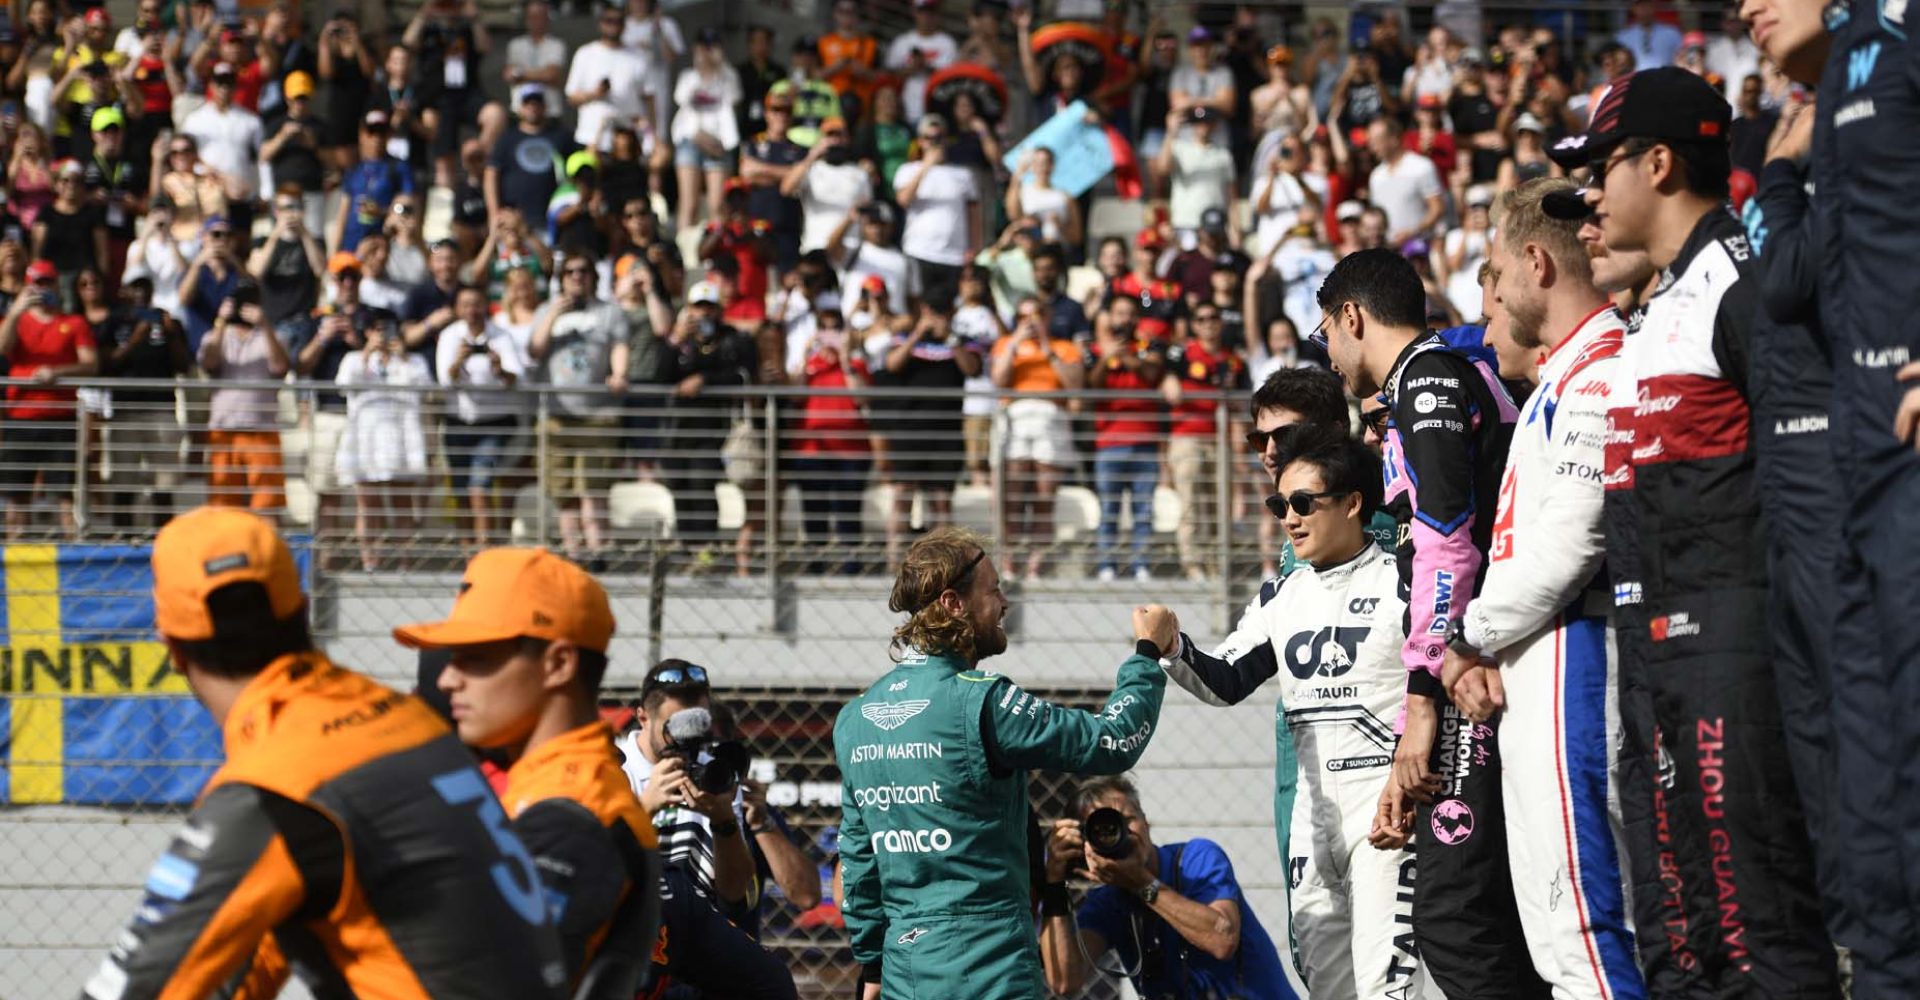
pixel 1158 625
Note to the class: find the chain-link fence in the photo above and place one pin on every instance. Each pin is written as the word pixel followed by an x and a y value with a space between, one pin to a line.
pixel 104 748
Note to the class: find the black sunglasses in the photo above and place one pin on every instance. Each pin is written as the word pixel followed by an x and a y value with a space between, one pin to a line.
pixel 961 578
pixel 1318 337
pixel 1257 440
pixel 1377 420
pixel 667 677
pixel 1301 501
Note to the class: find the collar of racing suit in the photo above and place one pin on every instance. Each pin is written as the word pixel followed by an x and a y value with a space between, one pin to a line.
pixel 1346 565
pixel 1421 344
pixel 1717 224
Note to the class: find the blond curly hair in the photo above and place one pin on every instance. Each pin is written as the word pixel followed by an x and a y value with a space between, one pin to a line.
pixel 942 560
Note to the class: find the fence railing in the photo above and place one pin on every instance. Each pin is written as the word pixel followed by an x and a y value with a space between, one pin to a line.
pixel 788 641
pixel 416 477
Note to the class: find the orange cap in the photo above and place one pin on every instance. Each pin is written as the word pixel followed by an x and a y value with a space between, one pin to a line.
pixel 343 260
pixel 203 550
pixel 509 593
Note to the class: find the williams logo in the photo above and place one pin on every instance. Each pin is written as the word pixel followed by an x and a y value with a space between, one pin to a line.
pixel 891 715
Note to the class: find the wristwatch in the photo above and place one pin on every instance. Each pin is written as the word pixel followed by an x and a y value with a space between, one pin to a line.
pixel 1457 640
pixel 1151 891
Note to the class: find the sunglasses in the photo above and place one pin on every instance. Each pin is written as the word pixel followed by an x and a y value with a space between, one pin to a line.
pixel 1206 317
pixel 779 109
pixel 1377 420
pixel 1318 337
pixel 666 677
pixel 1257 440
pixel 43 282
pixel 179 152
pixel 1300 501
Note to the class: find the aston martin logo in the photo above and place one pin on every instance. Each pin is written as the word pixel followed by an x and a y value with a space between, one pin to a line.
pixel 891 715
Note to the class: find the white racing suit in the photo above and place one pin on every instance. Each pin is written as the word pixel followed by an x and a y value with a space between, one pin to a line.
pixel 1332 635
pixel 1542 614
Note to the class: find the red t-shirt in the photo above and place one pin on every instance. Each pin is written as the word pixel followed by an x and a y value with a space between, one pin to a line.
pixel 1200 370
pixel 750 288
pixel 247 83
pixel 832 425
pixel 1120 422
pixel 44 342
pixel 1339 189
pixel 1441 150
pixel 150 79
pixel 1159 302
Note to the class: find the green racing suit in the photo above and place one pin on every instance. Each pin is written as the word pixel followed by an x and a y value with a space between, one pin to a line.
pixel 934 816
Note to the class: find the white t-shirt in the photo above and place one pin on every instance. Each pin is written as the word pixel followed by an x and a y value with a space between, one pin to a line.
pixel 1201 177
pixel 936 229
pixel 480 394
pixel 706 105
pixel 1286 208
pixel 977 325
pixel 638 37
pixel 939 47
pixel 867 259
pixel 229 142
pixel 1463 285
pixel 940 50
pixel 1049 205
pixel 622 69
pixel 526 54
pixel 826 194
pixel 1401 190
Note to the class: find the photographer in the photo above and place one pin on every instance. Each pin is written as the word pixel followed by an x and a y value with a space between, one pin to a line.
pixel 479 360
pixel 1175 915
pixel 699 832
pixel 669 755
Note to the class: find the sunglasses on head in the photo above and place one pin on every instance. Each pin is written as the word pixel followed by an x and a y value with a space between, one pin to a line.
pixel 1301 501
pixel 691 675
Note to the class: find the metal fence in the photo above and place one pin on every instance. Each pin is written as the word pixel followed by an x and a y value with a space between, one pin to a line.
pixel 791 622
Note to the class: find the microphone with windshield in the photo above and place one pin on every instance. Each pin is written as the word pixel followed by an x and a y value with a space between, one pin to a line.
pixel 714 766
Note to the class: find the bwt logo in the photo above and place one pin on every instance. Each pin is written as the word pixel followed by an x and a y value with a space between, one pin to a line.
pixel 1442 600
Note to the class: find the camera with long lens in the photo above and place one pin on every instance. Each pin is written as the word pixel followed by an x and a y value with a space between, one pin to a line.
pixel 1107 834
pixel 713 765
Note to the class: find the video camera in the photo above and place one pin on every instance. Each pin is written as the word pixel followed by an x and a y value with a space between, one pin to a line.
pixel 714 766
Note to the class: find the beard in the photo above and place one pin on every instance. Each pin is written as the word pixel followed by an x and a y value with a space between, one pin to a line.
pixel 1525 319
pixel 988 640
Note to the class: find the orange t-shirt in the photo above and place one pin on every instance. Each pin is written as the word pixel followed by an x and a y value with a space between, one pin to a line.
pixel 1032 371
pixel 861 49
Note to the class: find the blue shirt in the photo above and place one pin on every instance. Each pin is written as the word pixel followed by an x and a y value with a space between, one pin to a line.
pixel 369 188
pixel 1204 875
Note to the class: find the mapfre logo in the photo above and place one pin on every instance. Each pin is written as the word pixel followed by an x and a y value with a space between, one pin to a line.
pixel 1673 626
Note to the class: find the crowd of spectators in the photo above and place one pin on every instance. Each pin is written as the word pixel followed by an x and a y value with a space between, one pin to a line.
pixel 661 211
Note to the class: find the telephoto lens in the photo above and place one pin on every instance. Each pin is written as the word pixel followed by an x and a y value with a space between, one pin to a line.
pixel 1106 832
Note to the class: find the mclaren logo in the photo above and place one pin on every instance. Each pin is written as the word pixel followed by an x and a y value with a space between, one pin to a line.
pixel 891 715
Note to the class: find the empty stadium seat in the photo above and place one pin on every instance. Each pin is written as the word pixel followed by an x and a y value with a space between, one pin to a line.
pixel 733 506
pixel 647 506
pixel 1166 510
pixel 1083 280
pixel 1076 513
pixel 973 508
pixel 1114 217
